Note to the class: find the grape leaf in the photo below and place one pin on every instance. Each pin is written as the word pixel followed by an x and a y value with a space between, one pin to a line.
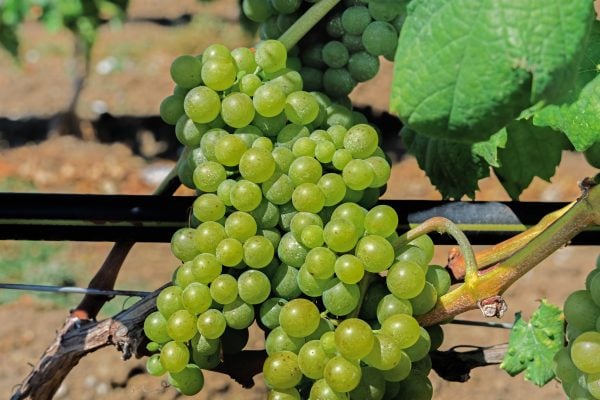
pixel 454 167
pixel 465 68
pixel 533 344
pixel 530 151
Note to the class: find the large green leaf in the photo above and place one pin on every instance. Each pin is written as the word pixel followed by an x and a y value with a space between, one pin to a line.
pixel 533 344
pixel 454 167
pixel 529 152
pixel 579 116
pixel 465 68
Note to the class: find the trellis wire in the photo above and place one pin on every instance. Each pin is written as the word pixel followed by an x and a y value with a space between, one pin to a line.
pixel 500 325
pixel 73 289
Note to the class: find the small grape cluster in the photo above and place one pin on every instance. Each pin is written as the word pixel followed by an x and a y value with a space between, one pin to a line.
pixel 286 232
pixel 577 366
pixel 342 50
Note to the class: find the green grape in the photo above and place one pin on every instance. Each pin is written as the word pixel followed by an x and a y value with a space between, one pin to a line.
pixel 423 366
pixel 373 296
pixel 436 335
pixel 288 80
pixel 278 340
pixel 253 286
pixel 219 73
pixel 154 367
pixel 290 133
pixel 224 289
pixel 310 285
pixel 403 328
pixel 363 66
pixel 286 6
pixel 334 26
pixel 211 324
pixel 340 235
pixel 380 39
pixel 169 301
pixel 206 267
pixel 302 220
pixel 281 370
pixel 578 391
pixel 338 82
pixel 238 314
pixel 308 197
pixel 385 353
pixel 284 282
pixel 184 275
pixel 312 359
pixel 425 300
pixel 196 298
pixel 340 298
pixel 354 338
pixel 248 85
pixel 284 394
pixel 312 78
pixel 155 328
pixel 208 362
pixel 266 215
pixel 208 176
pixel 299 317
pixel 352 213
pixel 283 158
pixel 243 58
pixel 208 142
pixel 324 326
pixel 208 207
pixel 358 175
pixel 185 71
pixel 595 287
pixel 439 277
pixel 585 352
pixel 341 158
pixel 258 252
pixel 361 140
pixel 341 374
pixel 278 188
pixel 229 252
pixel 188 132
pixel 563 366
pixel 263 143
pixel 425 243
pixel 381 220
pixel 400 371
pixel 592 154
pixel 376 253
pixel 390 305
pixel 270 126
pixel 216 50
pixel 421 347
pixel 189 381
pixel 353 42
pixel 269 100
pixel 337 134
pixel 240 225
pixel 324 152
pixel 304 146
pixel 181 325
pixel 405 279
pixel 269 312
pixel 271 55
pixel 174 356
pixel 333 187
pixel 371 385
pixel 312 236
pixel 237 110
pixel 171 109
pixel 593 385
pixel 290 251
pixel 311 56
pixel 581 311
pixel 245 195
pixel 320 390
pixel 335 54
pixel 305 170
pixel 320 262
pixel 202 104
pixel 416 387
pixel 257 165
pixel 257 10
pixel 355 19
pixel 208 236
pixel 380 12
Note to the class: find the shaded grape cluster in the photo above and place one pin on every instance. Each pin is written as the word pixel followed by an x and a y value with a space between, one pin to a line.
pixel 342 50
pixel 286 231
pixel 577 365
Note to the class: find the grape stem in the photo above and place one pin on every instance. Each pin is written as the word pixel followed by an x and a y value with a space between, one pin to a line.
pixel 493 282
pixel 306 22
pixel 444 225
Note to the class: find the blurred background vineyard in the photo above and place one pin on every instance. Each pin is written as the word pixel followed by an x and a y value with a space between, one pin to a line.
pixel 118 144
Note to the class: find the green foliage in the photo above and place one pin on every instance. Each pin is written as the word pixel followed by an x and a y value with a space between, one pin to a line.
pixel 456 84
pixel 81 17
pixel 533 344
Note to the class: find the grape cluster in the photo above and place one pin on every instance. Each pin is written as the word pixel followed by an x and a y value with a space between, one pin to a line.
pixel 286 232
pixel 578 365
pixel 342 50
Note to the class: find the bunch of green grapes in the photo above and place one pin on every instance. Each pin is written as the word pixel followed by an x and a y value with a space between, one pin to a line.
pixel 577 366
pixel 342 50
pixel 287 232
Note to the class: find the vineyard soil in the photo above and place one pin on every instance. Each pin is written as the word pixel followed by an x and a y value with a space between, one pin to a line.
pixel 66 164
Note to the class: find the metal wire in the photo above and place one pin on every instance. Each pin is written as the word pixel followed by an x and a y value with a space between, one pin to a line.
pixel 500 325
pixel 73 289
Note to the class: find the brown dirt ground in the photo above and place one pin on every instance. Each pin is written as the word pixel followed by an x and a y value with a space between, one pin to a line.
pixel 138 79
